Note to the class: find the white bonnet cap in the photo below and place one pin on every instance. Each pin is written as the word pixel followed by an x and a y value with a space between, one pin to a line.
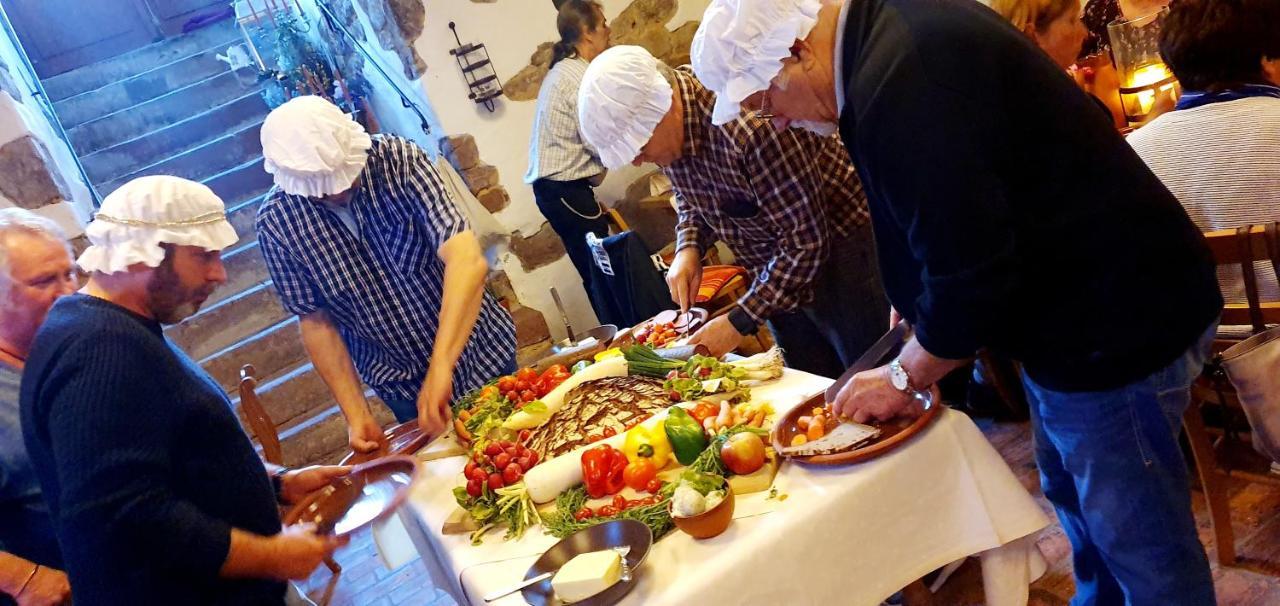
pixel 622 98
pixel 312 148
pixel 149 211
pixel 740 45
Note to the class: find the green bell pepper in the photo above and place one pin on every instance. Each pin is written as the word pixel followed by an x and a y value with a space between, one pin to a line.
pixel 685 435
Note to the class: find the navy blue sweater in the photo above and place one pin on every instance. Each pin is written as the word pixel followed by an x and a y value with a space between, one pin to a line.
pixel 1008 212
pixel 144 465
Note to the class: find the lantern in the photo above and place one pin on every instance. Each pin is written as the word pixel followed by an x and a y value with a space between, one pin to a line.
pixel 1147 86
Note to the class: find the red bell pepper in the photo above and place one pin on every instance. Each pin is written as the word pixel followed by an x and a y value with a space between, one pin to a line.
pixel 602 470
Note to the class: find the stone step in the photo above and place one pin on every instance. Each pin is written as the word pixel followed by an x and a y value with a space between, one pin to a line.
pixel 215 157
pixel 110 163
pixel 220 326
pixel 292 398
pixel 273 352
pixel 242 217
pixel 141 88
pixel 133 122
pixel 246 270
pixel 240 184
pixel 322 436
pixel 153 56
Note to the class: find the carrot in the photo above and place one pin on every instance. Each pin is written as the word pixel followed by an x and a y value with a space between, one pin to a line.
pixel 803 422
pixel 461 428
pixel 757 420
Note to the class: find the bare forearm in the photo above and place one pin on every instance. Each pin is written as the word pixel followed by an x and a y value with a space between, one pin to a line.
pixel 332 360
pixel 925 368
pixel 464 276
pixel 14 571
pixel 463 287
pixel 251 556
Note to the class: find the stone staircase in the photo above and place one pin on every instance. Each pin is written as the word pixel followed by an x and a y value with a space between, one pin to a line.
pixel 173 108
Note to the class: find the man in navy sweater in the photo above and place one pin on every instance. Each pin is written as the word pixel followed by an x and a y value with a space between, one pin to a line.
pixel 1009 215
pixel 155 492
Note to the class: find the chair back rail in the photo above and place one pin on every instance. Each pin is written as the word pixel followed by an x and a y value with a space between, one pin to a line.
pixel 1234 247
pixel 263 427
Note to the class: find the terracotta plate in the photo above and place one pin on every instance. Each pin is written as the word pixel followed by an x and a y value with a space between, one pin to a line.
pixel 616 533
pixel 371 492
pixel 403 439
pixel 892 434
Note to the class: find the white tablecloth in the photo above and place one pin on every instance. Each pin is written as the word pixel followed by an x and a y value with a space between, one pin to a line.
pixel 844 535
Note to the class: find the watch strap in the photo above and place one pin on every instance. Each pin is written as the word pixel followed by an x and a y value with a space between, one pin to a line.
pixel 742 321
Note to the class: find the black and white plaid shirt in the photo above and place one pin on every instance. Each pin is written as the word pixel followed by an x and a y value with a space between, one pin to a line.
pixel 382 288
pixel 776 198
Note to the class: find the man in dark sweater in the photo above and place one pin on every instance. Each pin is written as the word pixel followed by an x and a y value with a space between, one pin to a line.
pixel 1008 214
pixel 156 494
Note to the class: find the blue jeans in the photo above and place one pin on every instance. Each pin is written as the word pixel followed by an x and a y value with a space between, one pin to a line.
pixel 407 410
pixel 1111 465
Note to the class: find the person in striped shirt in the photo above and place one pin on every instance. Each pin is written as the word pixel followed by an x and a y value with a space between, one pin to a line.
pixel 563 167
pixel 1219 150
pixel 364 244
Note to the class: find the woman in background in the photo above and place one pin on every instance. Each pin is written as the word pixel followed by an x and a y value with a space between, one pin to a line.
pixel 562 167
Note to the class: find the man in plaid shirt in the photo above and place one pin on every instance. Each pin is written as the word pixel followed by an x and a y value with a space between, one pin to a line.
pixel 788 204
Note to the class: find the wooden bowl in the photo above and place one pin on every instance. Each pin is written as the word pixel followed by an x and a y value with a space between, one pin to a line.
pixel 708 523
pixel 404 439
pixel 892 434
pixel 371 492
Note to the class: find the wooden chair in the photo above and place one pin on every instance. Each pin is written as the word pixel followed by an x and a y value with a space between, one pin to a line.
pixel 269 437
pixel 1223 451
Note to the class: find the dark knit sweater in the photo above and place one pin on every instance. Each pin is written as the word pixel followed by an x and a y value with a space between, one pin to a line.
pixel 142 460
pixel 1008 212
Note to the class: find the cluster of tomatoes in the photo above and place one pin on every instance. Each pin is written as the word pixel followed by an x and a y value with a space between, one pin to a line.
pixel 657 335
pixel 527 385
pixel 501 463
pixel 620 503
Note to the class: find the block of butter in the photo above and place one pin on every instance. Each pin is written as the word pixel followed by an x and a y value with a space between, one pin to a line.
pixel 586 575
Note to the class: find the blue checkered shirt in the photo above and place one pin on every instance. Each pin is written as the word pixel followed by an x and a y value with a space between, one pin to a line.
pixel 382 287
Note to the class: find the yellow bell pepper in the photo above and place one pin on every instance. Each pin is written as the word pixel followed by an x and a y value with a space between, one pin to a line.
pixel 608 353
pixel 648 441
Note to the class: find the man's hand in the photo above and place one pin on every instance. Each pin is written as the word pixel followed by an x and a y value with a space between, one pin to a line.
pixel 298 483
pixel 684 277
pixel 434 414
pixel 364 434
pixel 718 336
pixel 869 396
pixel 49 587
pixel 297 551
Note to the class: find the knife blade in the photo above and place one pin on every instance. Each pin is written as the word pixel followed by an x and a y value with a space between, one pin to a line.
pixel 871 358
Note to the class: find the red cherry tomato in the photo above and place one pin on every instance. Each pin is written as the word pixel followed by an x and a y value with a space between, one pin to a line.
pixel 492 449
pixel 619 502
pixel 501 460
pixel 512 473
pixel 506 383
pixel 495 481
pixel 539 388
pixel 528 396
pixel 654 486
pixel 474 488
pixel 522 385
pixel 526 374
pixel 469 468
pixel 523 436
pixel 595 437
pixel 609 432
pixel 607 511
pixel 584 514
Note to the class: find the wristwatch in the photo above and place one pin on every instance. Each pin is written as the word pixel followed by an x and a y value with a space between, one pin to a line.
pixel 900 379
pixel 742 321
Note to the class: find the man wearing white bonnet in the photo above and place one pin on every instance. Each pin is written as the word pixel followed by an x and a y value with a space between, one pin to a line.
pixel 155 492
pixel 788 203
pixel 364 244
pixel 1009 215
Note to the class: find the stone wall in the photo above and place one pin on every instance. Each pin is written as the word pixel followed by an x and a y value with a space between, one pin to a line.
pixel 642 23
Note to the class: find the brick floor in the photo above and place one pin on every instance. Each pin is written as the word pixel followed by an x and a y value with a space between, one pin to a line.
pixel 1255 517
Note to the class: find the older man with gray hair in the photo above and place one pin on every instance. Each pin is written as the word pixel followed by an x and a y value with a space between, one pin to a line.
pixel 788 203
pixel 35 270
